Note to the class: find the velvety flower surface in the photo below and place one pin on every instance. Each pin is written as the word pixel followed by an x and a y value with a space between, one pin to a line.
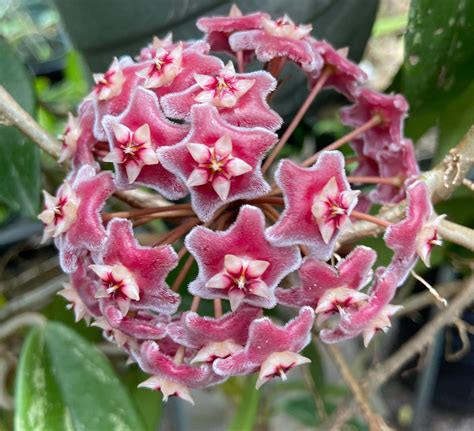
pixel 277 39
pixel 386 136
pixel 73 216
pixel 170 377
pixel 135 274
pixel 346 77
pixel 270 348
pixel 395 164
pixel 69 138
pixel 240 98
pixel 86 141
pixel 193 59
pixel 117 100
pixel 318 277
pixel 220 163
pixel 149 52
pixel 141 326
pixel 240 264
pixel 135 136
pixel 416 235
pixel 318 202
pixel 219 28
pixel 214 338
pixel 370 317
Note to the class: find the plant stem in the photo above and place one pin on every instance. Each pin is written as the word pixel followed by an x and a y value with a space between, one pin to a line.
pixel 19 118
pixel 217 308
pixel 183 273
pixel 372 219
pixel 240 61
pixel 177 232
pixel 376 119
pixel 375 421
pixel 391 181
pixel 296 120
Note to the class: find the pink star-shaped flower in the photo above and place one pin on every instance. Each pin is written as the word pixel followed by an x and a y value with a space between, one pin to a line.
pixel 240 98
pixel 214 338
pixel 86 140
pixel 73 216
pixel 135 136
pixel 279 38
pixel 133 276
pixel 366 319
pixel 416 235
pixel 401 163
pixel 220 163
pixel 270 348
pixel 83 282
pixel 385 137
pixel 240 264
pixel 149 52
pixel 118 100
pixel 141 326
pixel 182 65
pixel 318 203
pixel 173 379
pixel 346 77
pixel 219 28
pixel 69 138
pixel 317 278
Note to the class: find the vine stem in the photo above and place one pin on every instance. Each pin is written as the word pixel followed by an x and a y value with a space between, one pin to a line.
pixel 145 211
pixel 370 218
pixel 177 232
pixel 19 118
pixel 374 121
pixel 391 181
pixel 375 422
pixel 296 120
pixel 183 273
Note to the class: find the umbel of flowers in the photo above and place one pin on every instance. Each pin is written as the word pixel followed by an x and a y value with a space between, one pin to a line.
pixel 179 121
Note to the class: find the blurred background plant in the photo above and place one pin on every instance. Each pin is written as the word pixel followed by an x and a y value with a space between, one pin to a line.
pixel 424 50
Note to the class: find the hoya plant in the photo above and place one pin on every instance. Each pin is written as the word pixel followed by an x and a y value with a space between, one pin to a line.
pixel 178 135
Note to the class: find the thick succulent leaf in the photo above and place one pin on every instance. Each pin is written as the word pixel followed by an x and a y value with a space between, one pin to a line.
pixel 436 76
pixel 439 50
pixel 19 158
pixel 64 383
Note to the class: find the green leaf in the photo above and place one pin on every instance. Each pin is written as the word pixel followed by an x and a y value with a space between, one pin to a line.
pixel 64 383
pixel 19 158
pixel 246 414
pixel 439 48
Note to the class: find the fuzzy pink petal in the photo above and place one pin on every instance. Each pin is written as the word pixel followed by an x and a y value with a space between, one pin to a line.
pixel 316 277
pixel 245 238
pixel 148 265
pixel 249 145
pixel 300 186
pixel 266 338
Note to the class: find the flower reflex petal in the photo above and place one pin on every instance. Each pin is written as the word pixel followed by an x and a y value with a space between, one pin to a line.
pixel 109 84
pixel 216 165
pixel 134 136
pixel 144 269
pixel 212 174
pixel 60 211
pixel 266 339
pixel 318 202
pixel 235 268
pixel 277 364
pixel 317 277
pixel 168 388
pixel 69 138
pixel 163 68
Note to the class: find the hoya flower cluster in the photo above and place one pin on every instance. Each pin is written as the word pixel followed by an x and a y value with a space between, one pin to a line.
pixel 178 120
